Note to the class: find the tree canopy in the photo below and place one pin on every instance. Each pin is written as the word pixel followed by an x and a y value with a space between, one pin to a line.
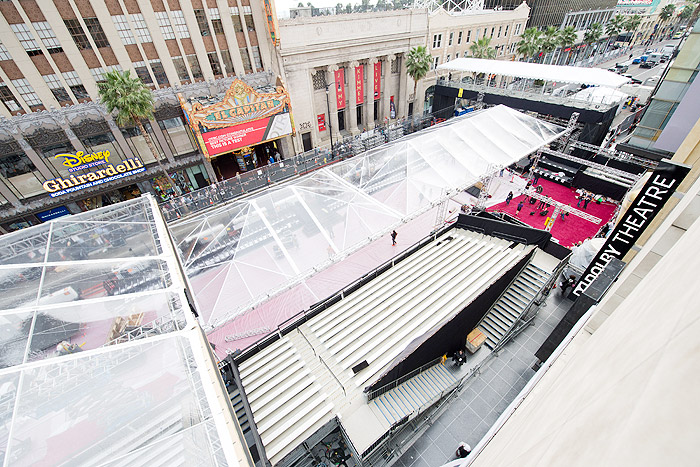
pixel 529 45
pixel 418 63
pixel 481 48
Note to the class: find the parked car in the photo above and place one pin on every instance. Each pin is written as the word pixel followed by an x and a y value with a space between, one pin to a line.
pixel 636 60
pixel 647 64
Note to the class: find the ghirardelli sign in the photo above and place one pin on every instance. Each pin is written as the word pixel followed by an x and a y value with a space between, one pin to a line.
pixel 658 189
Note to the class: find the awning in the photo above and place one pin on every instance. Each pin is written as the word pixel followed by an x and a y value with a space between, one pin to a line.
pixel 554 73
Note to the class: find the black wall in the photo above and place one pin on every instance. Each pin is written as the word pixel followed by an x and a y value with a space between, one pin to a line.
pixel 452 335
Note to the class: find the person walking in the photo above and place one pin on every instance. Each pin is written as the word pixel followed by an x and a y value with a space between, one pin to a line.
pixel 520 206
pixel 586 201
pixel 463 450
pixel 393 237
pixel 541 205
pixel 509 198
pixel 536 179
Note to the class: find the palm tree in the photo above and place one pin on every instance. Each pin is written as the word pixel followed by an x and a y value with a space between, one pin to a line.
pixel 593 34
pixel 614 28
pixel 631 25
pixel 132 101
pixel 667 12
pixel 481 48
pixel 529 44
pixel 549 42
pixel 418 63
pixel 567 38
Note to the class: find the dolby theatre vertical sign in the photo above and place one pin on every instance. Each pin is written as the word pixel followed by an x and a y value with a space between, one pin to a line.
pixel 663 182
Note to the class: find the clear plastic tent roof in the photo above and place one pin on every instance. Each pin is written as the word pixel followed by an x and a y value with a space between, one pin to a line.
pixel 101 361
pixel 244 252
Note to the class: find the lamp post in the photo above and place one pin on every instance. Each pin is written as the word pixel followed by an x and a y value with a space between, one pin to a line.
pixel 330 128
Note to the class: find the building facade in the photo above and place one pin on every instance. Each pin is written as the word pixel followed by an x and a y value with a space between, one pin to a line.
pixel 552 12
pixel 364 55
pixel 652 26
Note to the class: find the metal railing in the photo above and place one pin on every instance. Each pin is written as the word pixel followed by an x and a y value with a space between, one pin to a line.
pixel 388 387
pixel 248 182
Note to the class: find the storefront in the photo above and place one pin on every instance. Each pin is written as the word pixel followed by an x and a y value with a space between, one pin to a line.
pixel 241 131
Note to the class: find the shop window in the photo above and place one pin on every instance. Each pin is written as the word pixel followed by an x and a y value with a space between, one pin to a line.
pixel 178 136
pixel 96 31
pixel 137 143
pixel 20 175
pixel 78 34
pixel 214 62
pixel 56 163
pixel 104 142
pixel 194 66
pixel 202 22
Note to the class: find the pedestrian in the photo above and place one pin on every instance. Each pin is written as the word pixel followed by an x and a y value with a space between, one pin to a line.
pixel 569 282
pixel 463 450
pixel 393 237
pixel 509 198
pixel 501 171
pixel 537 177
pixel 520 206
pixel 586 201
pixel 541 205
pixel 528 185
pixel 580 197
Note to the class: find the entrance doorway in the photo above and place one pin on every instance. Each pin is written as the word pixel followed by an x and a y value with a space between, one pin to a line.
pixel 306 141
pixel 225 166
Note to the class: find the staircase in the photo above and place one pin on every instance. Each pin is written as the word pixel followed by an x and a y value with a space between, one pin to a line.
pixel 512 304
pixel 413 394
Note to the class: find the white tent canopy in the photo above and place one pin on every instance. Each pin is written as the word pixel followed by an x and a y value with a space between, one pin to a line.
pixel 552 73
pixel 239 255
pixel 600 95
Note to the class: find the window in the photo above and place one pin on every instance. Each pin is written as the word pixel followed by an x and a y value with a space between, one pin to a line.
pixel 95 29
pixel 448 58
pixel 26 91
pixel 499 31
pixel 215 18
pixel 505 33
pixel 246 60
pixel 237 25
pixel 74 83
pixel 165 27
pixel 123 29
pixel 517 29
pixel 469 36
pixel 457 55
pixel 77 33
pixel 98 74
pixel 437 39
pixel 459 38
pixel 159 72
pixel 214 62
pixel 436 62
pixel 358 111
pixel 493 29
pixel 20 173
pixel 228 64
pixel 194 66
pixel 249 23
pixel 449 41
pixel 180 68
pixel 26 39
pixel 318 80
pixel 56 87
pixel 202 22
pixel 180 25
pixel 4 54
pixel 142 72
pixel 9 99
pixel 178 136
pixel 47 36
pixel 341 120
pixel 141 29
pixel 256 57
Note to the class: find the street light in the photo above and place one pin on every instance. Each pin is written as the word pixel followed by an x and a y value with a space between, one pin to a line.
pixel 330 128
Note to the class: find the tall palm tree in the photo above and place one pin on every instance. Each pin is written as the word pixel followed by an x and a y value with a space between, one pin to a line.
pixel 550 40
pixel 529 45
pixel 593 34
pixel 631 25
pixel 481 48
pixel 418 63
pixel 132 101
pixel 614 27
pixel 567 38
pixel 667 12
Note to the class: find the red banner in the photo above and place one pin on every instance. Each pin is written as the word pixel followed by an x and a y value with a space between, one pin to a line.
pixel 340 88
pixel 359 84
pixel 377 79
pixel 321 122
pixel 234 137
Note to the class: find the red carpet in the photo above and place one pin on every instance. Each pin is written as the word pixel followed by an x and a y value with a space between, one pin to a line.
pixel 570 230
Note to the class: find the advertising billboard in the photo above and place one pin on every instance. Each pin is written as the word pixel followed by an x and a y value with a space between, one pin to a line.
pixel 247 134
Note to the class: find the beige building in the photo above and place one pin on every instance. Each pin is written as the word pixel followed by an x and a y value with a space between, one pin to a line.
pixel 316 50
pixel 649 12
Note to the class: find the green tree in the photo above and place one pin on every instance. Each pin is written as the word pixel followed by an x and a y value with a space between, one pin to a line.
pixel 348 8
pixel 550 40
pixel 418 63
pixel 631 25
pixel 339 8
pixel 132 101
pixel 300 5
pixel 667 12
pixel 686 12
pixel 567 38
pixel 593 34
pixel 481 48
pixel 529 44
pixel 614 27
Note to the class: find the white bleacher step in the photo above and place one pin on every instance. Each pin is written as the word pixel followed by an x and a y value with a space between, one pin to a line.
pixel 415 393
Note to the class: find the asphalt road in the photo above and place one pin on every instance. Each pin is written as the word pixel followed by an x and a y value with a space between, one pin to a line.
pixel 635 71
